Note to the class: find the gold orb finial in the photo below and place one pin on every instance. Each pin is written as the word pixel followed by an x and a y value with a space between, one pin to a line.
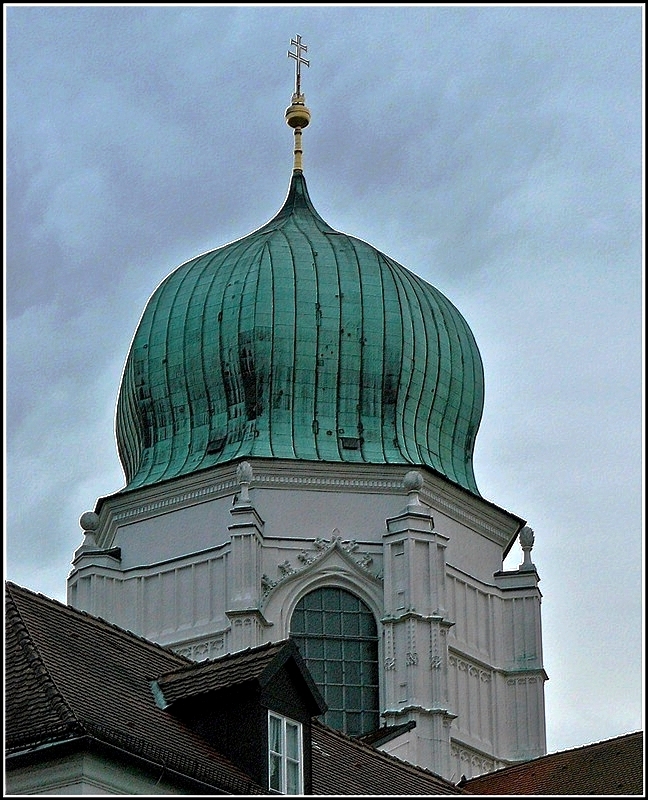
pixel 297 115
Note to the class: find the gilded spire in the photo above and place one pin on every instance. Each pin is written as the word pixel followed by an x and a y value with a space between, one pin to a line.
pixel 297 115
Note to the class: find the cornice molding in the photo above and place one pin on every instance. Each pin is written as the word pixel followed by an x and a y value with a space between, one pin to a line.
pixel 221 481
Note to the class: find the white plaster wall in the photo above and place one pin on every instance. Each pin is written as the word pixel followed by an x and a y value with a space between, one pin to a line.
pixel 165 602
pixel 304 513
pixel 299 500
pixel 175 582
pixel 174 533
pixel 472 693
pixel 520 640
pixel 468 550
pixel 86 774
pixel 468 762
pixel 473 607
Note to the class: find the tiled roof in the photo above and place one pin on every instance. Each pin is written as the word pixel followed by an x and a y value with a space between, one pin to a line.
pixel 258 664
pixel 386 733
pixel 346 766
pixel 614 766
pixel 69 674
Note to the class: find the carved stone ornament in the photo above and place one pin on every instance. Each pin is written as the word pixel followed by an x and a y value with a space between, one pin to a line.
pixel 244 473
pixel 210 648
pixel 244 476
pixel 308 557
pixel 285 568
pixel 413 481
pixel 89 522
pixel 527 538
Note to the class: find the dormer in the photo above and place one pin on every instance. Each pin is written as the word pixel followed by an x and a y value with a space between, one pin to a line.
pixel 255 707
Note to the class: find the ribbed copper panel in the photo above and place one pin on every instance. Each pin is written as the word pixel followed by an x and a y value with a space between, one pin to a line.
pixel 298 342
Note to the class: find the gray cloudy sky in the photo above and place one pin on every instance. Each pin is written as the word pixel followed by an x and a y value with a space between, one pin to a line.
pixel 494 150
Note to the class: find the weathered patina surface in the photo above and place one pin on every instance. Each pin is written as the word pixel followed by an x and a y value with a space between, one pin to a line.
pixel 299 342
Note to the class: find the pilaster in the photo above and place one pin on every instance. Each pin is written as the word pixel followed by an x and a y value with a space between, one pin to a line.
pixel 415 631
pixel 523 675
pixel 243 609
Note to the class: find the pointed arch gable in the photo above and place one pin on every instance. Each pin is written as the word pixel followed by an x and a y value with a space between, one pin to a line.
pixel 335 566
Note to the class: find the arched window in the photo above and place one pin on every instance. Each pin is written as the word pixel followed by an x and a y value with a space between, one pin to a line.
pixel 337 636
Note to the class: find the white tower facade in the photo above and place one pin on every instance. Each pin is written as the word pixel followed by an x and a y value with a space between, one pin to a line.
pixel 219 561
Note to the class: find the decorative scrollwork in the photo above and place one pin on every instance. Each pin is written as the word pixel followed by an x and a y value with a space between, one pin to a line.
pixel 285 568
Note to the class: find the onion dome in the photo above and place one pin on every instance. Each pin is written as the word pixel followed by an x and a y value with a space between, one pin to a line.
pixel 298 342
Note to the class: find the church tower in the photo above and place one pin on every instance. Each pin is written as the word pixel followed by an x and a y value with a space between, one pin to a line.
pixel 296 423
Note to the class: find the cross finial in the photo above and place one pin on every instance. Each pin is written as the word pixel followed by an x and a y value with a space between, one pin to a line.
pixel 297 44
pixel 297 115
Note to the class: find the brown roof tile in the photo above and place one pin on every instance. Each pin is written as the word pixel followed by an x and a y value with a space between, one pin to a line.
pixel 70 674
pixel 614 766
pixel 35 711
pixel 346 766
pixel 258 664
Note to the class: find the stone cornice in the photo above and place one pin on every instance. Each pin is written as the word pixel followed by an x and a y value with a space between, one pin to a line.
pixel 409 614
pixel 217 551
pixel 470 663
pixel 437 492
pixel 448 715
pixel 256 613
pixel 126 507
pixel 489 588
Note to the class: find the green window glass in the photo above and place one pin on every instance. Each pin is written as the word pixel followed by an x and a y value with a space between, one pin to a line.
pixel 337 636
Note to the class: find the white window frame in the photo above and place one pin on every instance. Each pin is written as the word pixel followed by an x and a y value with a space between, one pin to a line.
pixel 282 755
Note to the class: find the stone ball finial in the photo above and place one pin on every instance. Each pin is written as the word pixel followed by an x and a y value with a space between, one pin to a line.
pixel 527 537
pixel 244 473
pixel 413 481
pixel 89 521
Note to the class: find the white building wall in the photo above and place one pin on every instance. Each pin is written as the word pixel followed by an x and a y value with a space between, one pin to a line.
pixel 87 774
pixel 217 562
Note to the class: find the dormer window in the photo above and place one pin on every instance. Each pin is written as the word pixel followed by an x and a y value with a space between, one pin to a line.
pixel 285 759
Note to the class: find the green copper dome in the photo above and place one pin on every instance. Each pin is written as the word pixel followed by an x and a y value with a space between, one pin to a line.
pixel 298 342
